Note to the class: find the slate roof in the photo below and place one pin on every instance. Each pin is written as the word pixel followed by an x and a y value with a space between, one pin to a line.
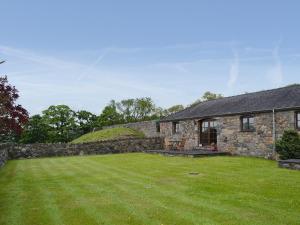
pixel 281 98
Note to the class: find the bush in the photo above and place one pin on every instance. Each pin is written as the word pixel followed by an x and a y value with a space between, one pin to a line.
pixel 288 147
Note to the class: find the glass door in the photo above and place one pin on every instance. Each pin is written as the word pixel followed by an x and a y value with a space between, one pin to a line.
pixel 208 132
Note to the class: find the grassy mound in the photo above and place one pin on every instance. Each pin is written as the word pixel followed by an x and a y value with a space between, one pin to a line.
pixel 109 134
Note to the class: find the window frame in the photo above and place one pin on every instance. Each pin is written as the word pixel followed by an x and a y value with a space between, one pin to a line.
pixel 157 124
pixel 297 119
pixel 206 128
pixel 175 127
pixel 248 117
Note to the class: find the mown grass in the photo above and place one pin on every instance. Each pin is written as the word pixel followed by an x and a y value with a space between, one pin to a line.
pixel 109 134
pixel 148 189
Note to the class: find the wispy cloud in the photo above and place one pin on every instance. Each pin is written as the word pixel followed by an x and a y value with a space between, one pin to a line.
pixel 233 71
pixel 92 65
pixel 275 73
pixel 36 58
pixel 170 74
pixel 56 80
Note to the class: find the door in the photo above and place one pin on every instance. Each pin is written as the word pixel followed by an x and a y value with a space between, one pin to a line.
pixel 208 132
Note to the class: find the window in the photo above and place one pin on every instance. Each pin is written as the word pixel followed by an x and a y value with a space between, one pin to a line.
pixel 175 127
pixel 157 127
pixel 297 117
pixel 208 132
pixel 247 123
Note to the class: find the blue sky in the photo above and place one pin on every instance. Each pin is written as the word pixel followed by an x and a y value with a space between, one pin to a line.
pixel 85 53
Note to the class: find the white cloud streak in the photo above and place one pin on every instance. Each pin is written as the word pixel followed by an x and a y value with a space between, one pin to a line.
pixel 170 75
pixel 233 71
pixel 275 73
pixel 36 58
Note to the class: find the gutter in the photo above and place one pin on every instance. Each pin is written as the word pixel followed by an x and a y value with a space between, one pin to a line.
pixel 229 114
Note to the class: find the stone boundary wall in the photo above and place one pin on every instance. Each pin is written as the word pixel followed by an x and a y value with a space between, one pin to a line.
pixel 21 151
pixel 149 128
pixel 4 153
pixel 290 164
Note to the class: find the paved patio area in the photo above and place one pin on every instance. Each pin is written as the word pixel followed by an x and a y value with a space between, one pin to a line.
pixel 188 153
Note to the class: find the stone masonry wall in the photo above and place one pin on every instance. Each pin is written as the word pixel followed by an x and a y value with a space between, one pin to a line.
pixel 147 127
pixel 3 154
pixel 18 151
pixel 257 143
pixel 186 136
pixel 230 137
pixel 284 120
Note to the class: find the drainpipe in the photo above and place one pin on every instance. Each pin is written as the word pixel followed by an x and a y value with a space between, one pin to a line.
pixel 274 131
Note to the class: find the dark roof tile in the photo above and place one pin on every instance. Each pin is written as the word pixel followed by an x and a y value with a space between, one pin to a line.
pixel 280 98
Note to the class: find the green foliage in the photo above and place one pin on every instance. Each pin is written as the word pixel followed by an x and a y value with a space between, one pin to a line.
pixel 35 131
pixel 207 96
pixel 58 124
pixel 128 110
pixel 137 109
pixel 61 124
pixel 85 121
pixel 61 121
pixel 288 147
pixel 109 134
pixel 174 109
pixel 210 96
pixel 160 112
pixel 110 115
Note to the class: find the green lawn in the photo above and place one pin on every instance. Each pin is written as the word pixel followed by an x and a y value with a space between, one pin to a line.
pixel 147 189
pixel 109 134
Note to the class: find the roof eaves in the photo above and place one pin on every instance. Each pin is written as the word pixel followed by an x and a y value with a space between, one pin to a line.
pixel 231 114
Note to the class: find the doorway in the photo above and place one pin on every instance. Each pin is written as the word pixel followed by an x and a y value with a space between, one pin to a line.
pixel 208 132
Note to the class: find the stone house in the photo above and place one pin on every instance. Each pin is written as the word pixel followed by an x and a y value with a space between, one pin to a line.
pixel 246 124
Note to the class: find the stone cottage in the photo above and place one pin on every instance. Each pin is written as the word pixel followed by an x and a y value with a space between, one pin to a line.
pixel 246 124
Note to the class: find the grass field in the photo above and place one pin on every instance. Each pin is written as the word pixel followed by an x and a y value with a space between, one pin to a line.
pixel 148 189
pixel 109 134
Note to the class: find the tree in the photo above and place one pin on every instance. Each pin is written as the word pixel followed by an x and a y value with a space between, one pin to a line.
pixel 86 121
pixel 61 122
pixel 126 108
pixel 288 147
pixel 174 109
pixel 35 131
pixel 12 115
pixel 210 96
pixel 137 109
pixel 58 124
pixel 207 96
pixel 110 115
pixel 144 109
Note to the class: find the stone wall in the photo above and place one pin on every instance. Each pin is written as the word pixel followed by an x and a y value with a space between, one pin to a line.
pixel 18 151
pixel 3 154
pixel 149 128
pixel 284 120
pixel 186 137
pixel 293 164
pixel 230 138
pixel 253 143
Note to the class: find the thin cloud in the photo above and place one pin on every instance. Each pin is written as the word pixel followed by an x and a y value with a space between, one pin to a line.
pixel 90 67
pixel 45 79
pixel 53 80
pixel 233 71
pixel 275 73
pixel 36 58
